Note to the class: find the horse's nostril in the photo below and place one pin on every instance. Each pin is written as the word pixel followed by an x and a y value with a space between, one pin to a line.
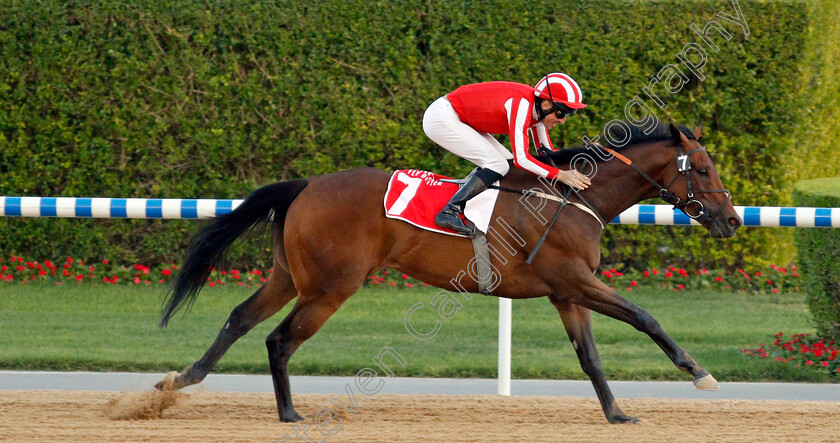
pixel 735 222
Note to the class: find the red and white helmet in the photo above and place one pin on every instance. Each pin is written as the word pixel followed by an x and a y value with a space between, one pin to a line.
pixel 560 88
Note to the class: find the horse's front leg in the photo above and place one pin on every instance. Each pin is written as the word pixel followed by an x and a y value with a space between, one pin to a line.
pixel 593 294
pixel 578 326
pixel 264 303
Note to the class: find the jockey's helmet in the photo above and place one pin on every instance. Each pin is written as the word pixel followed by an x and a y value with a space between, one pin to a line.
pixel 562 90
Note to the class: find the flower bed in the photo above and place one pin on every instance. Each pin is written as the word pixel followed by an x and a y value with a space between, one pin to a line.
pixel 802 350
pixel 17 270
pixel 774 279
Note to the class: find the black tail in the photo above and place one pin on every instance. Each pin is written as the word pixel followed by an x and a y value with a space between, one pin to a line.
pixel 210 243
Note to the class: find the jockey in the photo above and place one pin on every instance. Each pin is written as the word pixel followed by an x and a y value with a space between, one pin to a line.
pixel 462 121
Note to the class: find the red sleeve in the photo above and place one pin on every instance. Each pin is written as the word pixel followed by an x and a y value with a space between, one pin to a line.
pixel 519 116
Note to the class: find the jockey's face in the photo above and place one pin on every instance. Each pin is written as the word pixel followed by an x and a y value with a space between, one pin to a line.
pixel 551 119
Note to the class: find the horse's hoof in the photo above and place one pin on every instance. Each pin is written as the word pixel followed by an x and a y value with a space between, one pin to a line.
pixel 707 383
pixel 291 418
pixel 168 382
pixel 622 419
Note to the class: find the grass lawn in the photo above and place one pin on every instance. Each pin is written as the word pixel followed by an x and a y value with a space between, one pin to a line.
pixel 111 328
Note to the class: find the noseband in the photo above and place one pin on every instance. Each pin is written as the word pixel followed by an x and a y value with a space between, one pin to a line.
pixel 701 214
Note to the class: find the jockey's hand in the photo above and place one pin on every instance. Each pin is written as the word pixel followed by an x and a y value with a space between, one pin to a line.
pixel 574 179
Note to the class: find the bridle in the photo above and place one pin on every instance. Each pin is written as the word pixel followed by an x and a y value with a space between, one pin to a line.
pixel 701 214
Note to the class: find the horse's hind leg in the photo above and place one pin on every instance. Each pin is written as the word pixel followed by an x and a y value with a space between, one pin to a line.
pixel 307 317
pixel 265 302
pixel 578 326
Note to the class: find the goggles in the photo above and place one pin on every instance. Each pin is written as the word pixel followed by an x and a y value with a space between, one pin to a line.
pixel 561 110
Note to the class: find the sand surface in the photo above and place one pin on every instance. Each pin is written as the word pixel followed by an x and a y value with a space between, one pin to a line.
pixel 205 416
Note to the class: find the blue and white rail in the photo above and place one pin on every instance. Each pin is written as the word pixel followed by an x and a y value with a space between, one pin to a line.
pixel 757 216
pixel 80 207
pixel 173 208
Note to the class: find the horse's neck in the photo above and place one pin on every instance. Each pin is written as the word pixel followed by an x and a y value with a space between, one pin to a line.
pixel 617 186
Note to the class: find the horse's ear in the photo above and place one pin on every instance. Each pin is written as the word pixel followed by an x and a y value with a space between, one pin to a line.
pixel 678 135
pixel 698 133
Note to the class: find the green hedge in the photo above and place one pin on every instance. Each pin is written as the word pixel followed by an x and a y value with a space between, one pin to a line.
pixel 213 99
pixel 819 250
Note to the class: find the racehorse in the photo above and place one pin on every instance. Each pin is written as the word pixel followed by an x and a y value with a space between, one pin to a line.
pixel 330 233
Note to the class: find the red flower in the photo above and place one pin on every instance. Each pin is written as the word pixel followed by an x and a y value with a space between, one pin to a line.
pixel 775 291
pixel 655 271
pixel 758 274
pixel 681 286
pixel 668 274
pixel 633 283
pixel 825 363
pixel 405 277
pixel 166 272
pixel 79 277
pixel 718 278
pixel 645 274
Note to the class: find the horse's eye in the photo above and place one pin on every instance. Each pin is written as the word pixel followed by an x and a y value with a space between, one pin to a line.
pixel 703 172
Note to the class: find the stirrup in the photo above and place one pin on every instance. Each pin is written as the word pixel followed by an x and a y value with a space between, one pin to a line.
pixel 446 219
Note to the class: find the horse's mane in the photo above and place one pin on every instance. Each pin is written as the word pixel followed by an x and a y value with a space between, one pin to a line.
pixel 637 135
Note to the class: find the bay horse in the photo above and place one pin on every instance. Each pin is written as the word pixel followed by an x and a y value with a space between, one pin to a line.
pixel 330 233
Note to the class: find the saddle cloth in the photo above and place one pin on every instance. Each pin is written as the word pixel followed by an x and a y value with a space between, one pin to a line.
pixel 416 197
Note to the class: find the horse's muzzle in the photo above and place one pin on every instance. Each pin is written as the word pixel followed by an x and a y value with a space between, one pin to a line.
pixel 725 227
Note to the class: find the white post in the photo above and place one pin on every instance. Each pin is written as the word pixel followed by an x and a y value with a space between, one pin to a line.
pixel 505 321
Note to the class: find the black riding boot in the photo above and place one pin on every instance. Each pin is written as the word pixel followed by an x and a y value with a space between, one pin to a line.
pixel 450 215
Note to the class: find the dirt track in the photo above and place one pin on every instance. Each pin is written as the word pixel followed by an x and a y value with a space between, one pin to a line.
pixel 203 416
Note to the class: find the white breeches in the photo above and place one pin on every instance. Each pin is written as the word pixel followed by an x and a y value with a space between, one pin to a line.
pixel 442 125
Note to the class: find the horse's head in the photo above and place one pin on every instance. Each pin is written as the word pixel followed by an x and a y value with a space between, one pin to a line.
pixel 697 189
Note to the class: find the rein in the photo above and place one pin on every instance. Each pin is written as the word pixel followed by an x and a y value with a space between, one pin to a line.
pixel 668 196
pixel 665 193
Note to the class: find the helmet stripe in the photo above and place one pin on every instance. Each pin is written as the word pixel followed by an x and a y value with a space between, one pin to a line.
pixel 567 84
pixel 578 93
